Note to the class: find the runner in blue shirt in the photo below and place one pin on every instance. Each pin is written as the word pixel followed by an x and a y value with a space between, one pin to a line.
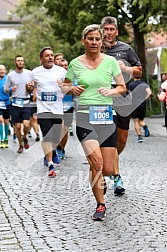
pixel 4 110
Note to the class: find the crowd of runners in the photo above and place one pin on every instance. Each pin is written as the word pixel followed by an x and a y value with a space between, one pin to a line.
pixel 97 86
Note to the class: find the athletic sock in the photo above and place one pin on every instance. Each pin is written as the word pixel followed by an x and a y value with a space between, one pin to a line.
pixel 1 132
pixel 116 177
pixel 50 163
pixel 145 127
pixel 100 204
pixel 59 147
pixel 6 130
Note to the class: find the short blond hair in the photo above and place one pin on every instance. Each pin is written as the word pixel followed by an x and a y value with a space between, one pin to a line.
pixel 90 28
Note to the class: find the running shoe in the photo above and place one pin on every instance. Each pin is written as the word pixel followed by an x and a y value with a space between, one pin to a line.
pixel 2 145
pixel 52 171
pixel 14 137
pixel 29 134
pixel 111 177
pixel 118 185
pixel 100 213
pixel 20 149
pixel 140 139
pixel 62 154
pixel 6 144
pixel 55 157
pixel 37 137
pixel 147 132
pixel 59 150
pixel 26 144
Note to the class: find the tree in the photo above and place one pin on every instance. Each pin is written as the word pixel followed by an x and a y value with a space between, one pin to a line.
pixel 59 23
pixel 7 53
pixel 137 15
pixel 35 33
pixel 70 17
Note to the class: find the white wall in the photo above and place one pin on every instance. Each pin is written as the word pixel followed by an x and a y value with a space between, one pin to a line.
pixel 8 32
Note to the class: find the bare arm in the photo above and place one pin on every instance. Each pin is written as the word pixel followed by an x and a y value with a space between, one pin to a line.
pixel 161 95
pixel 10 89
pixel 148 92
pixel 65 86
pixel 68 88
pixel 132 70
pixel 34 98
pixel 120 87
pixel 30 86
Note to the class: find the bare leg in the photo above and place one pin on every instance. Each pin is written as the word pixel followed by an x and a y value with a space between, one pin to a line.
pixel 137 126
pixel 25 128
pixel 64 137
pixel 122 136
pixel 47 149
pixel 34 124
pixel 142 123
pixel 17 128
pixel 95 159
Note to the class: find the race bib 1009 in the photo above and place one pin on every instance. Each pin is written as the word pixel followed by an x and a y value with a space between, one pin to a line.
pixel 100 114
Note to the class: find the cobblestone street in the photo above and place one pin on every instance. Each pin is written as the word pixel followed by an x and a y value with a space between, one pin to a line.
pixel 38 213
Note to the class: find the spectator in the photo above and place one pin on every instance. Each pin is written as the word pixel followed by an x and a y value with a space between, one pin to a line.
pixel 162 95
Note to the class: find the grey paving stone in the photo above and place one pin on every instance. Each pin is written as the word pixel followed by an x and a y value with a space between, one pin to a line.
pixel 49 215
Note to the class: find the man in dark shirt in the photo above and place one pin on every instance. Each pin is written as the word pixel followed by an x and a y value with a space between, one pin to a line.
pixel 130 66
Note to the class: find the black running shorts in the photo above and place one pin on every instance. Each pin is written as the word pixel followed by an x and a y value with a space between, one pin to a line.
pixel 19 114
pixel 50 125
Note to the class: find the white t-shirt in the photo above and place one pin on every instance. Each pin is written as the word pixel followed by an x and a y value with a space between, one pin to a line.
pixel 49 95
pixel 19 80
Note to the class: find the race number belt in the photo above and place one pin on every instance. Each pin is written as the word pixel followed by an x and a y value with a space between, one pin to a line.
pixel 67 105
pixel 19 102
pixel 2 105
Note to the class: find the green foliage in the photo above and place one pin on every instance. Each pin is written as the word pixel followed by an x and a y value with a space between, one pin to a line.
pixel 71 18
pixel 138 13
pixel 68 19
pixel 155 103
pixel 164 60
pixel 7 53
pixel 35 33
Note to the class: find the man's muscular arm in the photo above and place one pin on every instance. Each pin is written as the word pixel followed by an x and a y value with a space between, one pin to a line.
pixel 132 70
